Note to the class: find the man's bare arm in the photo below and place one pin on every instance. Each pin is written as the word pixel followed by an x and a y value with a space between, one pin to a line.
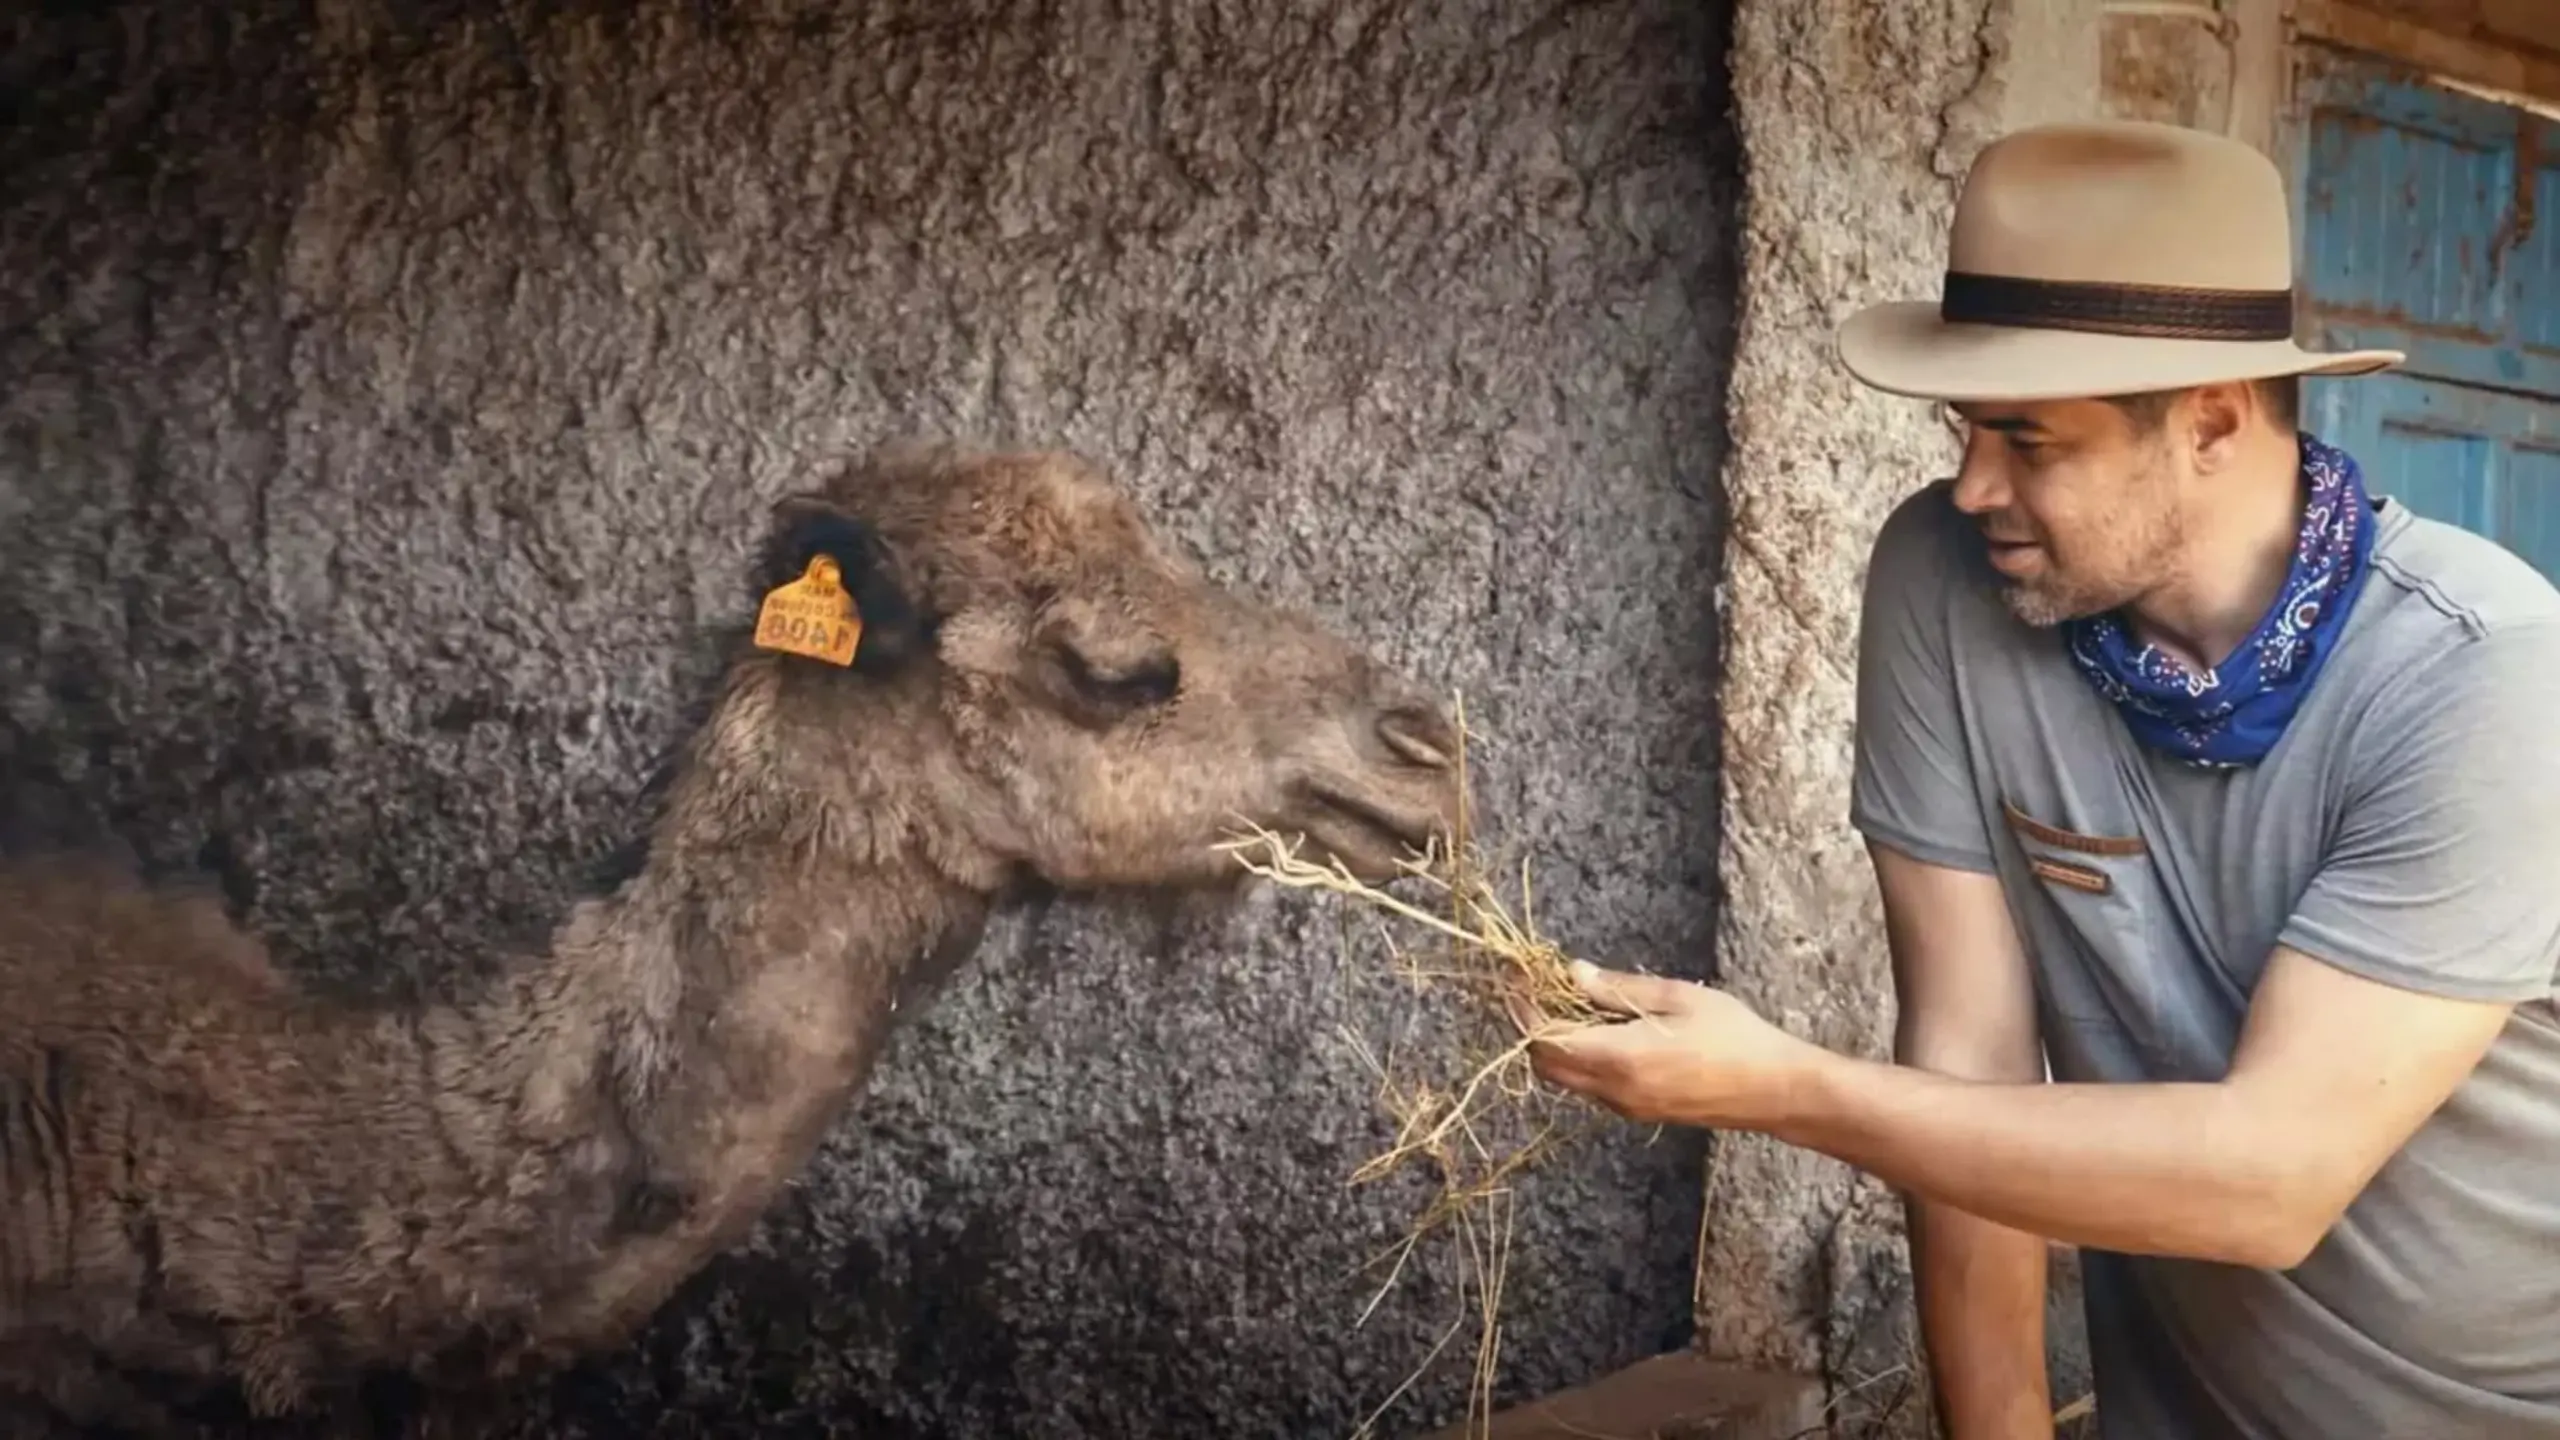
pixel 2332 1074
pixel 1967 1009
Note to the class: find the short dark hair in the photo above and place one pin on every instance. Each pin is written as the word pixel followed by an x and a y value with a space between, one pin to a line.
pixel 2281 394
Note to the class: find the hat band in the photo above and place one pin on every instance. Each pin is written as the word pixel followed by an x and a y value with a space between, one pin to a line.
pixel 2159 311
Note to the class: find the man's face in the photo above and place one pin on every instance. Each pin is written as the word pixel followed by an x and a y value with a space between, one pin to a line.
pixel 2082 506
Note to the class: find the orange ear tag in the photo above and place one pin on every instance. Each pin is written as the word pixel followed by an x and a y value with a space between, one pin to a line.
pixel 811 616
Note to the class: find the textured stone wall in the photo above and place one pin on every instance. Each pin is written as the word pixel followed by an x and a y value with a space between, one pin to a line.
pixel 1857 124
pixel 388 394
pixel 2177 68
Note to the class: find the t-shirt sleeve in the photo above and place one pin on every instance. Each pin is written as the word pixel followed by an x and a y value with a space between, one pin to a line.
pixel 1912 787
pixel 2444 873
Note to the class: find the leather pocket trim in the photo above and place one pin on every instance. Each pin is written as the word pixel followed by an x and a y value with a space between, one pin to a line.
pixel 2037 830
pixel 2078 877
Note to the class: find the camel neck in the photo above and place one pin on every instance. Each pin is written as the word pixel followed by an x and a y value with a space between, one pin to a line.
pixel 787 902
pixel 643 1091
pixel 741 983
pixel 744 993
pixel 738 976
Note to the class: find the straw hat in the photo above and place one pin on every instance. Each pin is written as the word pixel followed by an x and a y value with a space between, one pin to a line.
pixel 2100 259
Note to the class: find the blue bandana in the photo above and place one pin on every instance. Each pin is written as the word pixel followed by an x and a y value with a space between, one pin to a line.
pixel 2233 714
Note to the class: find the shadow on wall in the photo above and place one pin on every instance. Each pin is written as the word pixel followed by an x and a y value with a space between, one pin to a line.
pixel 394 392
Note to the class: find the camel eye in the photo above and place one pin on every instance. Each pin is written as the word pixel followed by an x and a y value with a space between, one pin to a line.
pixel 1147 682
pixel 1101 664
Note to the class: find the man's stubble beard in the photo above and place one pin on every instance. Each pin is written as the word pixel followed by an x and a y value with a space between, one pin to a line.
pixel 2136 557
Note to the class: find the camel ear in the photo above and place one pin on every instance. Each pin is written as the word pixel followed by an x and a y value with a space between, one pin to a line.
pixel 895 629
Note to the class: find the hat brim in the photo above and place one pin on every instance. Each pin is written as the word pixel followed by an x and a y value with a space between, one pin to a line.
pixel 1903 348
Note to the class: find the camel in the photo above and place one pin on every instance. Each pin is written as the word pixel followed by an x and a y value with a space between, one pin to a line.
pixel 208 1174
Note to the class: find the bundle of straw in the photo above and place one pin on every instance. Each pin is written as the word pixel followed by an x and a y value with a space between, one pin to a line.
pixel 1485 1120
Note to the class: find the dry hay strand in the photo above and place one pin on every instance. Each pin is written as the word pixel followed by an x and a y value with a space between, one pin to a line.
pixel 1847 1415
pixel 1474 1125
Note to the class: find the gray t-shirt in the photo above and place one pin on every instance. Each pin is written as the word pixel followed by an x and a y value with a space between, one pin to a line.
pixel 2406 828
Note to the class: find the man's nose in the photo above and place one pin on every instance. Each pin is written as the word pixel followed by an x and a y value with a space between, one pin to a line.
pixel 1982 481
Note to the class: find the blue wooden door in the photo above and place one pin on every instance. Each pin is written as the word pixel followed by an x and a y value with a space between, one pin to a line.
pixel 2430 223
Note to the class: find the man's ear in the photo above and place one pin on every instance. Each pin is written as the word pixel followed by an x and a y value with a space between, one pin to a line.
pixel 2217 414
pixel 895 629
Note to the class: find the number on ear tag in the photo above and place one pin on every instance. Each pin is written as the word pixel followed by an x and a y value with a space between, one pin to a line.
pixel 811 616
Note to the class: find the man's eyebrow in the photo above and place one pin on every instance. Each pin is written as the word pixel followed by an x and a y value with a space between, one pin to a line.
pixel 2009 424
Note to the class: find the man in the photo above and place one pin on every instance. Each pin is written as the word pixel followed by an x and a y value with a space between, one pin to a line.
pixel 2232 792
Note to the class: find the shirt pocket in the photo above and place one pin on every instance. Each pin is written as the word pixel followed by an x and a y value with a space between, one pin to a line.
pixel 2100 889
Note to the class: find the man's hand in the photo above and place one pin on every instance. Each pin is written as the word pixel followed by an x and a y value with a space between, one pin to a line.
pixel 1689 1054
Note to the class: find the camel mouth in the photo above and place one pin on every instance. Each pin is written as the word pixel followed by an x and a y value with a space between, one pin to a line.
pixel 1370 835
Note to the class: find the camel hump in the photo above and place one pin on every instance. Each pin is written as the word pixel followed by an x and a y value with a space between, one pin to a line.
pixel 89 922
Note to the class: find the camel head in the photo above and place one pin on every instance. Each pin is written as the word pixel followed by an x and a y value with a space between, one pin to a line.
pixel 1078 701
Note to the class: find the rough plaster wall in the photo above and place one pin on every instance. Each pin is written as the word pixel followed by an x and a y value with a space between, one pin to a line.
pixel 2176 69
pixel 390 395
pixel 1857 123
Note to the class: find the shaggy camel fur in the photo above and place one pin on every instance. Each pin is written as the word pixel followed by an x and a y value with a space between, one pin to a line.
pixel 207 1175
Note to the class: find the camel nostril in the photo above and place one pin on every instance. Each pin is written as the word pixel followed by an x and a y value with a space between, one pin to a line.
pixel 1420 736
